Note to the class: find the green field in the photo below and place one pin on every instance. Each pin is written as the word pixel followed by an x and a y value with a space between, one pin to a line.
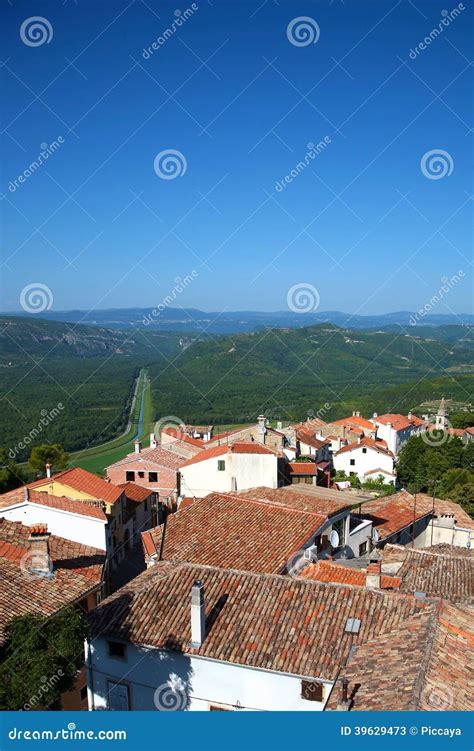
pixel 97 458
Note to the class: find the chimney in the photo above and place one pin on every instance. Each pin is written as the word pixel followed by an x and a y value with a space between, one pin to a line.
pixel 409 415
pixel 26 496
pixel 353 413
pixel 261 428
pixel 198 614
pixel 374 416
pixel 357 414
pixel 344 703
pixel 40 560
pixel 373 575
pixel 279 425
pixel 153 442
pixel 138 447
pixel 48 470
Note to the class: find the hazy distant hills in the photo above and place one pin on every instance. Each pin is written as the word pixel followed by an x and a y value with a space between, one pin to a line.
pixel 232 322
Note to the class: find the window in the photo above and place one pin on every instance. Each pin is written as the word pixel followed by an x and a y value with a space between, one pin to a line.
pixel 152 476
pixel 119 696
pixel 312 691
pixel 362 548
pixel 117 650
pixel 364 450
pixel 352 626
pixel 83 693
pixel 352 462
pixel 141 474
pixel 221 465
pixel 130 476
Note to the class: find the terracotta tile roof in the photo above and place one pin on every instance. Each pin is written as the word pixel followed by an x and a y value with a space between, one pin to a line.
pixel 235 448
pixel 85 482
pixel 160 456
pixel 306 436
pixel 226 434
pixel 230 531
pixel 366 442
pixel 437 574
pixel 399 422
pixel 262 621
pixel 379 471
pixel 303 468
pixel 446 508
pixel 425 663
pixel 135 492
pixel 391 514
pixel 77 569
pixel 326 571
pixel 355 422
pixel 84 508
pixel 183 437
pixel 308 498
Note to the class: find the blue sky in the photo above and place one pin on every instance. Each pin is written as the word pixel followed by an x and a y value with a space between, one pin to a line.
pixel 241 102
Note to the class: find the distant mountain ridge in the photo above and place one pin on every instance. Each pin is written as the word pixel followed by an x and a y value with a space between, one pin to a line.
pixel 193 320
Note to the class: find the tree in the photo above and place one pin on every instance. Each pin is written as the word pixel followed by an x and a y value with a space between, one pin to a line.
pixel 53 454
pixel 467 459
pixel 11 475
pixel 461 419
pixel 40 658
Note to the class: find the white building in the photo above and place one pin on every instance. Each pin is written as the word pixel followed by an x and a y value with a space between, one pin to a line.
pixel 229 468
pixel 397 429
pixel 367 459
pixel 190 637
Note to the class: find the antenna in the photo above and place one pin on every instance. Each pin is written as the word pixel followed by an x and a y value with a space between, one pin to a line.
pixel 334 539
pixel 375 535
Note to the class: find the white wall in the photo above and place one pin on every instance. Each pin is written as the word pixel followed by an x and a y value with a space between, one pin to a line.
pixel 360 534
pixel 250 471
pixel 441 531
pixel 201 680
pixel 364 462
pixel 74 527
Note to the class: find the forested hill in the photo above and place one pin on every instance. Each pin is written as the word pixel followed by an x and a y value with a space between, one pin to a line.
pixel 37 337
pixel 288 371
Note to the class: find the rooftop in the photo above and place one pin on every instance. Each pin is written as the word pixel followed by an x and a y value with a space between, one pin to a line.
pixel 326 571
pixel 392 513
pixel 234 531
pixel 235 448
pixel 311 498
pixel 366 442
pixel 262 621
pixel 399 422
pixel 160 456
pixel 25 494
pixel 77 569
pixel 83 481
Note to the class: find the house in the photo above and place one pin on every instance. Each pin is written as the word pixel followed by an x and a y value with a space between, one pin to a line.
pixel 403 518
pixel 40 573
pixel 236 466
pixel 179 442
pixel 81 506
pixel 396 429
pixel 193 637
pixel 425 663
pixel 368 459
pixel 261 432
pixel 308 445
pixel 255 531
pixel 468 435
pixel 155 468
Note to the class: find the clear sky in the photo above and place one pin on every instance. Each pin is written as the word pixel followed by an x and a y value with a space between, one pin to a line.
pixel 230 90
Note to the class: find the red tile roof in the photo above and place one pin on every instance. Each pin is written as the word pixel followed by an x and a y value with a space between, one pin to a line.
pixel 391 514
pixel 399 422
pixel 92 509
pixel 235 448
pixel 232 531
pixel 135 492
pixel 355 422
pixel 184 437
pixel 77 570
pixel 303 468
pixel 263 621
pixel 326 571
pixel 308 498
pixel 160 456
pixel 366 442
pixel 306 436
pixel 85 482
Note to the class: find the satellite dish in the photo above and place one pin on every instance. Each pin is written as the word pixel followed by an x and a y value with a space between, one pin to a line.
pixel 375 535
pixel 334 539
